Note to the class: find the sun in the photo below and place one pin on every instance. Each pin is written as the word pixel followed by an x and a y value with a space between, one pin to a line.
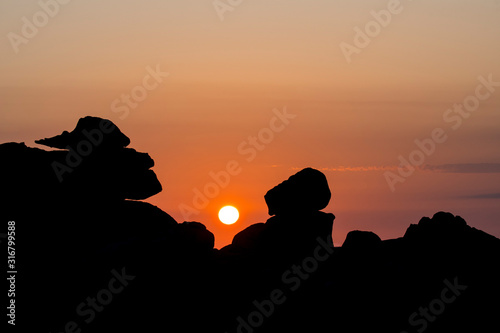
pixel 228 214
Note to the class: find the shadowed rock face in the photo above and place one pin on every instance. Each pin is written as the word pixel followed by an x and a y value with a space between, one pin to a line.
pixel 361 240
pixel 306 191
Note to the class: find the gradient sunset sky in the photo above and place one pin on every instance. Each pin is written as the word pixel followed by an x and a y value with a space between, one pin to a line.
pixel 231 70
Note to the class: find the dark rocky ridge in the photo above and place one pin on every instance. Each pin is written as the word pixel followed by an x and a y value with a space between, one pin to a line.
pixel 72 234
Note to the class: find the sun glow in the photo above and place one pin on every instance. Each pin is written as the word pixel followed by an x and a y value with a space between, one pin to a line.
pixel 228 215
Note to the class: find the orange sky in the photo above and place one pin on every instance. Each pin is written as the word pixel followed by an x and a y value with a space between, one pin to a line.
pixel 355 114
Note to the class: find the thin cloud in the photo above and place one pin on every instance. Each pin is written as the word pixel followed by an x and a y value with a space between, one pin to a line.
pixel 355 168
pixel 463 168
pixel 360 168
pixel 485 196
pixel 444 168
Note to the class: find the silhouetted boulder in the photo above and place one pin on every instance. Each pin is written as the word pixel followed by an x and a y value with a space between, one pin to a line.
pixel 361 240
pixel 306 191
pixel 249 237
pixel 194 236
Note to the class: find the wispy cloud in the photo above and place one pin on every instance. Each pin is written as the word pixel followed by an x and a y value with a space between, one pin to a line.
pixel 463 168
pixel 485 196
pixel 355 168
pixel 360 168
pixel 444 168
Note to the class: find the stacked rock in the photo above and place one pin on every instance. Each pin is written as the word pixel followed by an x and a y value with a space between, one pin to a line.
pixel 97 160
pixel 297 223
pixel 305 192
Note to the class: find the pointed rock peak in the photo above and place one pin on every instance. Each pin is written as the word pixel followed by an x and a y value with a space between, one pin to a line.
pixel 91 132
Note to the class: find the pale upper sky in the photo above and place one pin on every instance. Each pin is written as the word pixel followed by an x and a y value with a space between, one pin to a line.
pixel 356 113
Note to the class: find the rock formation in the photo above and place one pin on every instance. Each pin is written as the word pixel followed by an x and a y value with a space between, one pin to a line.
pixel 92 259
pixel 76 222
pixel 101 133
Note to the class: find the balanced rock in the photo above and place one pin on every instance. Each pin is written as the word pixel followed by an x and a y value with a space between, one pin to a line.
pixel 294 228
pixel 306 191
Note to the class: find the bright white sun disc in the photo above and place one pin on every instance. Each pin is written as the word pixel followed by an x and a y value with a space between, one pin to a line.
pixel 228 215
